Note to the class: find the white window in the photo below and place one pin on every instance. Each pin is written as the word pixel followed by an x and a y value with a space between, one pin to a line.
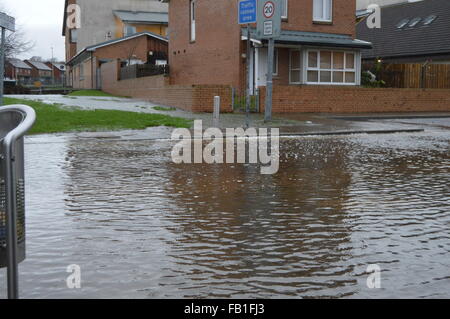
pixel 275 62
pixel 331 67
pixel 192 18
pixel 284 12
pixel 323 10
pixel 129 30
pixel 295 67
pixel 73 35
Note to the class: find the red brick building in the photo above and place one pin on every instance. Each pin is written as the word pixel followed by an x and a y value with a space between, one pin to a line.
pixel 137 48
pixel 18 71
pixel 40 71
pixel 317 45
pixel 58 72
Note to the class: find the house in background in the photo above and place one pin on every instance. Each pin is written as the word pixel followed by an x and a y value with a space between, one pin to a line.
pixel 138 48
pixel 18 71
pixel 130 22
pixel 40 72
pixel 411 32
pixel 58 72
pixel 317 44
pixel 105 20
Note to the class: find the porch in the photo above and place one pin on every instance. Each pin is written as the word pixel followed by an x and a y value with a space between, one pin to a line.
pixel 306 58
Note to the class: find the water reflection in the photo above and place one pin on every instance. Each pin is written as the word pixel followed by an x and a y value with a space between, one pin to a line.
pixel 140 226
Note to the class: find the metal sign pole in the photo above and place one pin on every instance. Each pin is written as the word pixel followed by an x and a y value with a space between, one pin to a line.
pixel 247 15
pixel 2 65
pixel 247 107
pixel 269 28
pixel 269 86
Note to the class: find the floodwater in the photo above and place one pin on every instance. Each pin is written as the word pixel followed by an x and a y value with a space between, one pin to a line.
pixel 140 226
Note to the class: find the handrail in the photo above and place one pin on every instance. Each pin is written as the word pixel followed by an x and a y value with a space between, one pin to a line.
pixel 9 141
pixel 29 117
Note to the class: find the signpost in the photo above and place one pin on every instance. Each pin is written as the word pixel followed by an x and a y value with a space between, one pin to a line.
pixel 269 27
pixel 247 15
pixel 6 23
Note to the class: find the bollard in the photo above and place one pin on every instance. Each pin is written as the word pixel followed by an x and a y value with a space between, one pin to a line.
pixel 216 111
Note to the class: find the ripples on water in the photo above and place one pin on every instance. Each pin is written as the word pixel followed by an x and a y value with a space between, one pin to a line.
pixel 141 226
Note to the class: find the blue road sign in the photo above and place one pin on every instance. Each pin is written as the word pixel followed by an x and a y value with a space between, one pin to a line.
pixel 247 11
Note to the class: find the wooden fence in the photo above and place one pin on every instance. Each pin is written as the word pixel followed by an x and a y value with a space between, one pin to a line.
pixel 142 70
pixel 430 76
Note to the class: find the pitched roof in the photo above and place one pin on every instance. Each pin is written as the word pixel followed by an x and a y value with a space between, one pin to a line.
pixel 94 47
pixel 419 39
pixel 39 65
pixel 61 66
pixel 142 17
pixel 19 64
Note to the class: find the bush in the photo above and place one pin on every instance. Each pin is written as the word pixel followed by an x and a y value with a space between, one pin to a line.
pixel 367 81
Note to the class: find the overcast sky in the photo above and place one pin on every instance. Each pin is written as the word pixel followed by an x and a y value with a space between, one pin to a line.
pixel 41 20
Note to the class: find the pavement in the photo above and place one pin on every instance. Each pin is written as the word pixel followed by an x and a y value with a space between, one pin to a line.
pixel 289 123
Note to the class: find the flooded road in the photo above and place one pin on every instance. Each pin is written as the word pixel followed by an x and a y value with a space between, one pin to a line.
pixel 140 226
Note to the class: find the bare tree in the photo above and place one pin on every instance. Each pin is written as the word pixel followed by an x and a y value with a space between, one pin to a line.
pixel 16 42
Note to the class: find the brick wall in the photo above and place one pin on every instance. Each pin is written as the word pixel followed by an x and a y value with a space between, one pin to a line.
pixel 215 56
pixel 328 99
pixel 156 89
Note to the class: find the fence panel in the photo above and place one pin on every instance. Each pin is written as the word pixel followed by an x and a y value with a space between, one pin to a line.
pixel 430 76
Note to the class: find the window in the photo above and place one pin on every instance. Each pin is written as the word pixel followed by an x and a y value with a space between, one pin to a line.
pixel 295 67
pixel 81 71
pixel 414 22
pixel 129 30
pixel 322 10
pixel 73 36
pixel 275 62
pixel 402 23
pixel 331 67
pixel 284 9
pixel 192 18
pixel 429 20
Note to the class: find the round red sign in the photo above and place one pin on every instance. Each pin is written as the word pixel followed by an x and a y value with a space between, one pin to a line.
pixel 269 9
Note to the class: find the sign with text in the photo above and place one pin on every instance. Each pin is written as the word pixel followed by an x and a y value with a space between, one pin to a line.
pixel 247 11
pixel 268 19
pixel 7 22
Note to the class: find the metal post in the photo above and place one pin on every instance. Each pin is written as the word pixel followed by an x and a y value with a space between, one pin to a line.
pixel 247 106
pixel 216 111
pixel 2 64
pixel 269 86
pixel 12 169
pixel 11 222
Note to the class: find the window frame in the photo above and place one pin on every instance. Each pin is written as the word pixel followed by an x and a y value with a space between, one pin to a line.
pixel 344 70
pixel 192 21
pixel 285 9
pixel 275 62
pixel 299 69
pixel 322 18
pixel 125 30
pixel 73 39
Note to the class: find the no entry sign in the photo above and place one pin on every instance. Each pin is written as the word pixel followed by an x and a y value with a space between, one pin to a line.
pixel 268 19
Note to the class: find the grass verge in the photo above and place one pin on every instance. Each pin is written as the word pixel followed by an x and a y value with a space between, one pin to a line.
pixel 56 119
pixel 165 109
pixel 90 93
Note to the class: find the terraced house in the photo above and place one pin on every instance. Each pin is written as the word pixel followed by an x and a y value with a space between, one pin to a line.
pixel 317 45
